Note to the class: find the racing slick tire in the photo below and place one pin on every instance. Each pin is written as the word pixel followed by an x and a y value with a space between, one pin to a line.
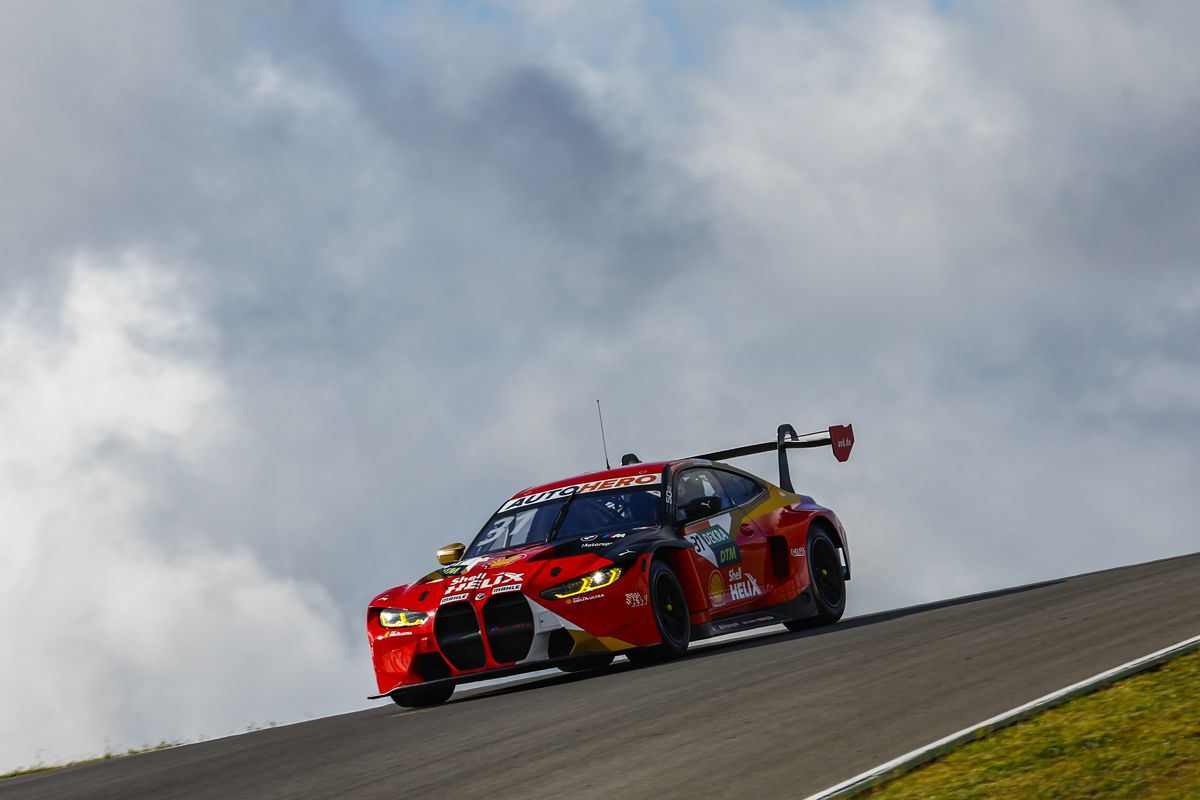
pixel 423 696
pixel 584 663
pixel 826 582
pixel 671 616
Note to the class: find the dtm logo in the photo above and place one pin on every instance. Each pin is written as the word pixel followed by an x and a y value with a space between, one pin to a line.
pixel 716 546
pixel 484 580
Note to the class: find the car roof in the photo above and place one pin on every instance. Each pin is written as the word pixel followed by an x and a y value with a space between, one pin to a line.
pixel 653 467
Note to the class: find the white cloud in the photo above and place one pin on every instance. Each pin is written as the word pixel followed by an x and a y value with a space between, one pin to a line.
pixel 387 263
pixel 271 85
pixel 119 632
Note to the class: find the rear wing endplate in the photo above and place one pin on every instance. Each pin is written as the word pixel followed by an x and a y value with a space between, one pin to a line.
pixel 838 437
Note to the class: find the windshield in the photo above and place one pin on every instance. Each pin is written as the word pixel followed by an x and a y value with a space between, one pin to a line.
pixel 593 512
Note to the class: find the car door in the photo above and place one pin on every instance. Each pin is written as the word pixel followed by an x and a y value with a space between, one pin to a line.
pixel 730 552
pixel 745 493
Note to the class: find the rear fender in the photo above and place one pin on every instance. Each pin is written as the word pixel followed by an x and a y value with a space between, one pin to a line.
pixel 833 527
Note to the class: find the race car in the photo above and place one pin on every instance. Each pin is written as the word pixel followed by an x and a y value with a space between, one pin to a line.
pixel 637 560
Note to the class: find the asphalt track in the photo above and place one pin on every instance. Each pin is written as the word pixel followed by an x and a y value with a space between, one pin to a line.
pixel 779 715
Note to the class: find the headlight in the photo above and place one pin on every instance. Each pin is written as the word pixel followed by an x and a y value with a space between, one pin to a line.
pixel 401 618
pixel 588 583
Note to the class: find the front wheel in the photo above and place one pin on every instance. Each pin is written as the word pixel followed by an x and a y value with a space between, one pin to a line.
pixel 424 696
pixel 826 583
pixel 671 616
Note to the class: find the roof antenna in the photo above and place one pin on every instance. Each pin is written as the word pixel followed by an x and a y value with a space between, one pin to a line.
pixel 602 441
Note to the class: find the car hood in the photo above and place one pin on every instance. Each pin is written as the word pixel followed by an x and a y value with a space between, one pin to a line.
pixel 519 568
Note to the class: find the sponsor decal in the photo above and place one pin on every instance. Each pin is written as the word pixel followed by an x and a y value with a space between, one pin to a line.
pixel 507 560
pixel 511 587
pixel 798 552
pixel 724 627
pixel 390 634
pixel 580 488
pixel 585 598
pixel 454 598
pixel 614 536
pixel 595 544
pixel 742 587
pixel 480 596
pixel 484 580
pixel 636 599
pixel 462 567
pixel 716 588
pixel 469 564
pixel 716 546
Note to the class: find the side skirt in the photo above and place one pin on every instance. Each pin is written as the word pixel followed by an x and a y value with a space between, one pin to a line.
pixel 799 607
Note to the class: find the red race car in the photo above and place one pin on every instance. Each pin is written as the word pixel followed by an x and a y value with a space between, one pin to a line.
pixel 637 560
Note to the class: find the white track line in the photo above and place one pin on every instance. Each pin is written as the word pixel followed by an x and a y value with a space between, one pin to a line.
pixel 908 761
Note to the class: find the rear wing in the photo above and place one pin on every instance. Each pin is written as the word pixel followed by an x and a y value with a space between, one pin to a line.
pixel 838 437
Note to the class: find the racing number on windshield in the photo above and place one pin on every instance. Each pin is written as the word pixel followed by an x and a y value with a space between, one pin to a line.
pixel 500 528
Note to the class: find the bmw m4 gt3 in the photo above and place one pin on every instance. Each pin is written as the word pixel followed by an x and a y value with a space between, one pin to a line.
pixel 638 560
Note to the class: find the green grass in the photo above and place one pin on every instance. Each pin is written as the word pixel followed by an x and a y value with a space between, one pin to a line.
pixel 110 755
pixel 106 757
pixel 1139 738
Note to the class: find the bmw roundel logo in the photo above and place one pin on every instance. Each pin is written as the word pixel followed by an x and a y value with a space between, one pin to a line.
pixel 590 538
pixel 481 595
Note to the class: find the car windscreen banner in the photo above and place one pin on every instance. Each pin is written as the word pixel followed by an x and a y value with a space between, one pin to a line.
pixel 629 482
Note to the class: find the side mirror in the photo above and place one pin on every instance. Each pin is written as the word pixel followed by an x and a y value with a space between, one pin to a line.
pixel 699 508
pixel 450 553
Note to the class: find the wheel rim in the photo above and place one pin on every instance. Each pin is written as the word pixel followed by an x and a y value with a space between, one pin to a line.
pixel 826 571
pixel 670 607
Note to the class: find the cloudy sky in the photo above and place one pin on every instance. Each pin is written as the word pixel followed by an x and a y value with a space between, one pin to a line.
pixel 293 293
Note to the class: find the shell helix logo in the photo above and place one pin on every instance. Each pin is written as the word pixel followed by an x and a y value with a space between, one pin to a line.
pixel 743 586
pixel 483 580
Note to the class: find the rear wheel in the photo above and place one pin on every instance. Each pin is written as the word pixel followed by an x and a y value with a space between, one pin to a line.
pixel 671 616
pixel 827 585
pixel 424 696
